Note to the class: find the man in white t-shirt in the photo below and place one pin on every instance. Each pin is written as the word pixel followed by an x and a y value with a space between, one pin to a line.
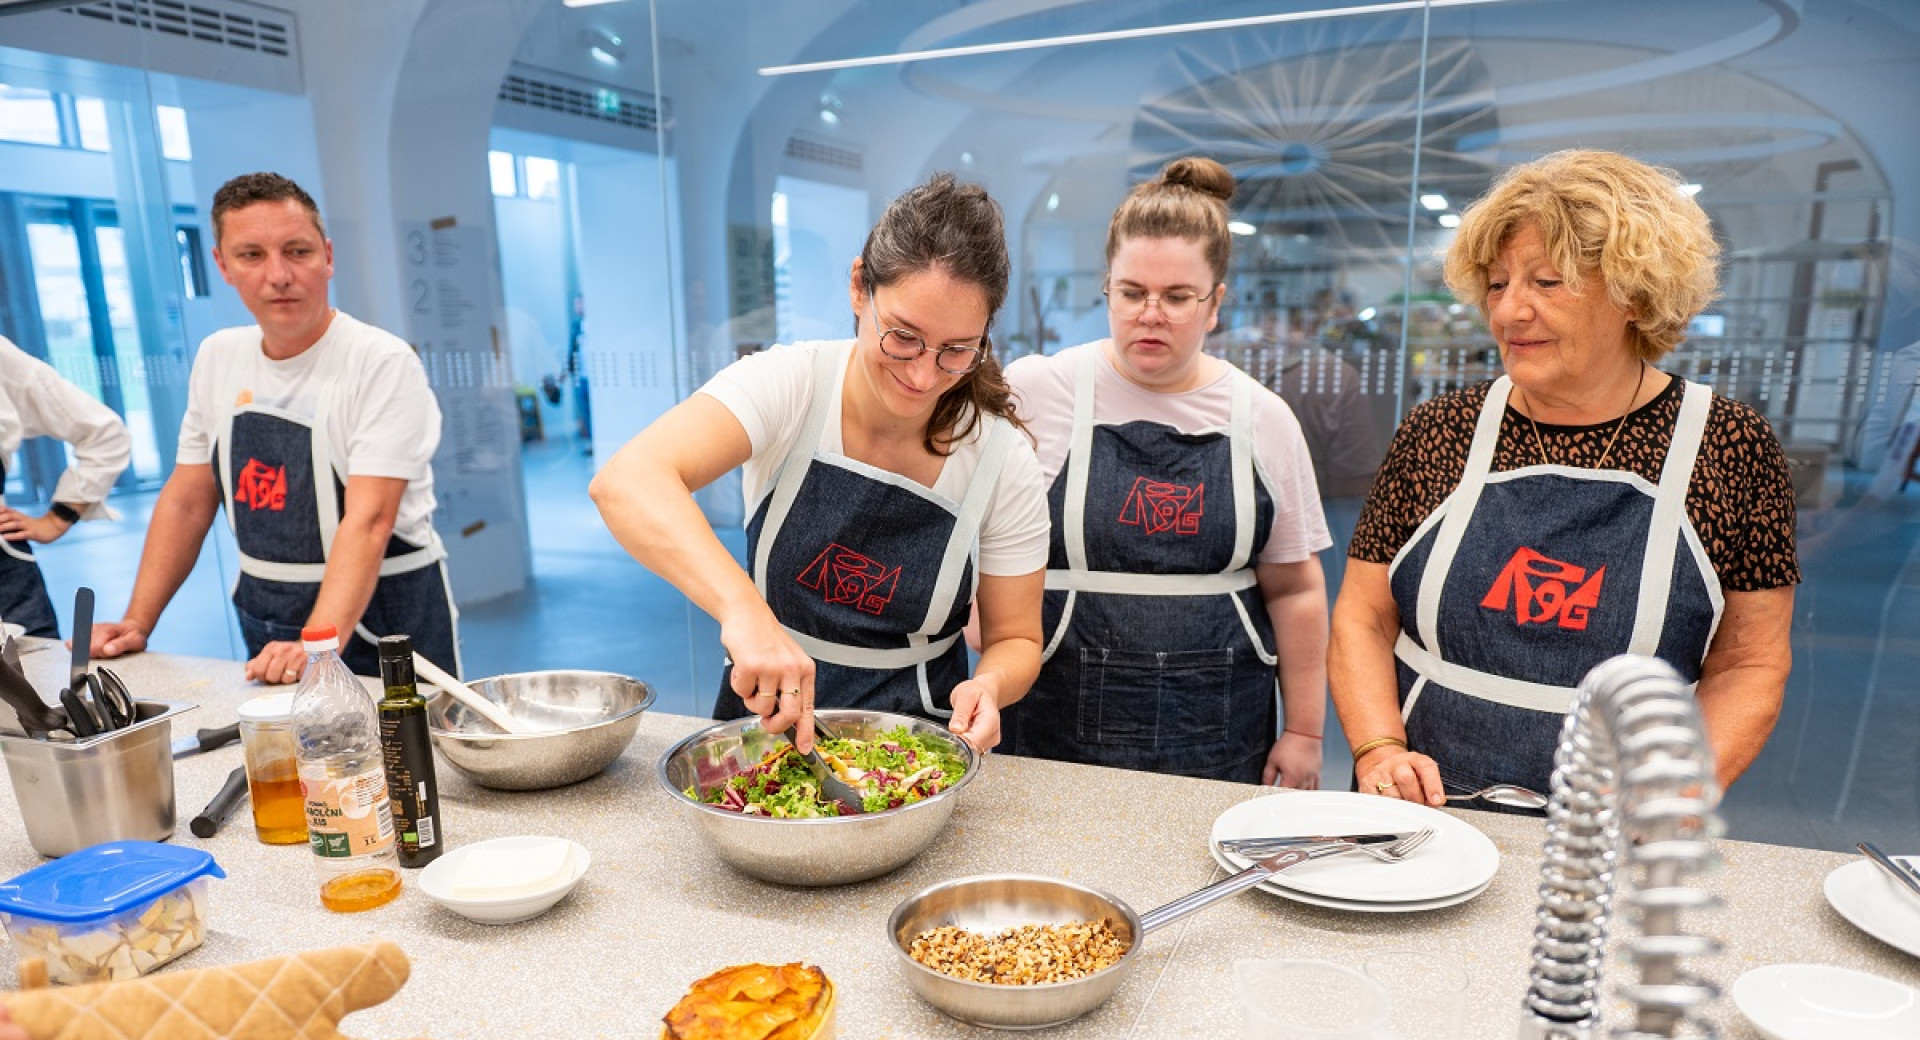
pixel 315 432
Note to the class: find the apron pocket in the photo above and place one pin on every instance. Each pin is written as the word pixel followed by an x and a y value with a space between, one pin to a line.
pixel 1128 697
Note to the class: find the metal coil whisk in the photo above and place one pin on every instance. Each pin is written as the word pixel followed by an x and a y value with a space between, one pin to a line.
pixel 1633 762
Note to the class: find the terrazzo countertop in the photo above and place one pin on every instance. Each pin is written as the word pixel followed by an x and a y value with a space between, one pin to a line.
pixel 658 910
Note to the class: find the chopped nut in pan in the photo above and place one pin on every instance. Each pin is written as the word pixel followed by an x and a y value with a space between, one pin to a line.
pixel 1023 956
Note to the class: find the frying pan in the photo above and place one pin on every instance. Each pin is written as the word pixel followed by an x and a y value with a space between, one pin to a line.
pixel 991 903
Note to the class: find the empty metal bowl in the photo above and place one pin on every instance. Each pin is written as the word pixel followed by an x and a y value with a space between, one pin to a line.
pixel 832 851
pixel 584 721
pixel 992 903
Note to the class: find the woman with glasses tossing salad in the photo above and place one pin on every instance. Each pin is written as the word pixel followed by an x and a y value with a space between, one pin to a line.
pixel 888 489
pixel 1183 580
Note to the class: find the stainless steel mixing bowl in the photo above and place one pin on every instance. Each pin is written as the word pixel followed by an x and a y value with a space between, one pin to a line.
pixel 584 720
pixel 832 851
pixel 992 903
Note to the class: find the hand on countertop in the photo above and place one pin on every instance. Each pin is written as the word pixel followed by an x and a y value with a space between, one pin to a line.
pixel 281 661
pixel 1397 773
pixel 114 638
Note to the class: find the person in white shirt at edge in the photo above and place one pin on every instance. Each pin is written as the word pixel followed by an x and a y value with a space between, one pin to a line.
pixel 315 433
pixel 36 402
pixel 888 490
pixel 1184 574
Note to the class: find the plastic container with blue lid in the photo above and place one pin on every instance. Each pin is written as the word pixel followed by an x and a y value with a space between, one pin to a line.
pixel 111 911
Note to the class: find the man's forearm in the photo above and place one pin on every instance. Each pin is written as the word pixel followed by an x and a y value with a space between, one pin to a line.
pixel 353 570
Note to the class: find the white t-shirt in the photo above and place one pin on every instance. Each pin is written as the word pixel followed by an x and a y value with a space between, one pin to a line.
pixel 36 402
pixel 769 392
pixel 1043 397
pixel 383 421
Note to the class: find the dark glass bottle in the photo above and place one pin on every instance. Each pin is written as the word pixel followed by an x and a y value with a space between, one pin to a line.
pixel 408 752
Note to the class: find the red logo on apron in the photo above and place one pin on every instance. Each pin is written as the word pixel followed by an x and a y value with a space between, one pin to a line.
pixel 1158 506
pixel 845 576
pixel 1543 589
pixel 260 486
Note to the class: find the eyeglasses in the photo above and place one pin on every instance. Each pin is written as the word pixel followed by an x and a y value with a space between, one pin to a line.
pixel 1177 306
pixel 954 359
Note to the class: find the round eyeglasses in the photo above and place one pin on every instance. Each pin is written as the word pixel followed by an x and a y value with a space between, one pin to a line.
pixel 954 359
pixel 1176 305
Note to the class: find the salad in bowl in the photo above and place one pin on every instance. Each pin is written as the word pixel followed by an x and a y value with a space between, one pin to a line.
pixel 893 768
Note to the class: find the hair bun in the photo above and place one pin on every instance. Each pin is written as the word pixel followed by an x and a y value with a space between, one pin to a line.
pixel 1201 175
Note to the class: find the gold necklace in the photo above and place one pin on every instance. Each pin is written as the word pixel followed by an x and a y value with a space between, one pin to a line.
pixel 1540 447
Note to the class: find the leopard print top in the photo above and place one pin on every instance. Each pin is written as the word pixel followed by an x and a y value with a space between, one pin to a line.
pixel 1740 498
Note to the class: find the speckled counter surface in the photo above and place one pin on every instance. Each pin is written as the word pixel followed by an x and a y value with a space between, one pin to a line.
pixel 657 910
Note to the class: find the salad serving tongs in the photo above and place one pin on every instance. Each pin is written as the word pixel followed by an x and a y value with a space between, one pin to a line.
pixel 832 788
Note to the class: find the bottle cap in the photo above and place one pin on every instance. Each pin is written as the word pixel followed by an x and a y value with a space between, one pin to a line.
pixel 396 648
pixel 396 661
pixel 320 637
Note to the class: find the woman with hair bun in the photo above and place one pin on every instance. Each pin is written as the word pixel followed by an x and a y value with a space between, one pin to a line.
pixel 1183 574
pixel 887 487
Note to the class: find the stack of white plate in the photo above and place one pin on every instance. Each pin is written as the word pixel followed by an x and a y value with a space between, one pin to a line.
pixel 1456 865
pixel 1876 904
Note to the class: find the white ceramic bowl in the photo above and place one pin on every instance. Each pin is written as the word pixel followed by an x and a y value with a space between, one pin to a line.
pixel 440 878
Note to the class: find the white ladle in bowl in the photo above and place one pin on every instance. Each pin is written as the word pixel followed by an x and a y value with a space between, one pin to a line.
pixel 463 693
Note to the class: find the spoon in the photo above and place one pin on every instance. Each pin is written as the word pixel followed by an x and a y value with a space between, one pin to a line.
pixel 463 693
pixel 1504 794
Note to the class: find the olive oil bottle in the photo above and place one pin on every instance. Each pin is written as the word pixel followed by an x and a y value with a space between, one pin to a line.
pixel 407 748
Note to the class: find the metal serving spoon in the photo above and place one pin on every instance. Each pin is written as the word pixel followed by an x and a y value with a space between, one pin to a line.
pixel 1504 794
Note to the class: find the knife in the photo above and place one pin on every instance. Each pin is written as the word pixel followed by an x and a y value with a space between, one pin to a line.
pixel 206 740
pixel 1900 871
pixel 232 793
pixel 1289 840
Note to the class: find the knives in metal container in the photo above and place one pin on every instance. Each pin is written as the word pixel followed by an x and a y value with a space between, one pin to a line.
pixel 232 793
pixel 206 740
pixel 1901 872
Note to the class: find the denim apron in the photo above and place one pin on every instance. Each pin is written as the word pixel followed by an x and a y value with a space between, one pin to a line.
pixel 870 572
pixel 1159 651
pixel 284 495
pixel 1523 581
pixel 23 590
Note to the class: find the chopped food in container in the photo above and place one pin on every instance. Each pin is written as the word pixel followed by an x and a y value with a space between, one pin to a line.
pixel 111 911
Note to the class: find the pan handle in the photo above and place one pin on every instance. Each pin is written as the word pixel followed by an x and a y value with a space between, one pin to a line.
pixel 1219 890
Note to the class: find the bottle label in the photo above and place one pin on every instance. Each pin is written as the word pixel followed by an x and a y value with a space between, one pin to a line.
pixel 407 748
pixel 347 815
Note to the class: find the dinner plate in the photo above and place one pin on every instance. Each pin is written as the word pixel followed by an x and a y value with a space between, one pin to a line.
pixel 1458 859
pixel 1399 907
pixel 1876 904
pixel 1821 1002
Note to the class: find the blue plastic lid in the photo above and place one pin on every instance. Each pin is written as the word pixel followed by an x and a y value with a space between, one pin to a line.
pixel 104 880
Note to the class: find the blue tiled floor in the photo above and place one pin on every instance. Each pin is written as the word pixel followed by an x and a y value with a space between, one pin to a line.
pixel 1841 766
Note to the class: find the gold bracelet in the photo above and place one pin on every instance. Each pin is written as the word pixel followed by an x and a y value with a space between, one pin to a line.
pixel 1377 742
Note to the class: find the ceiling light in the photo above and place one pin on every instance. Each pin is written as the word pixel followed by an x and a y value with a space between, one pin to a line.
pixel 607 48
pixel 1690 190
pixel 1436 203
pixel 1117 34
pixel 586 3
pixel 1449 220
pixel 1241 227
pixel 1053 202
pixel 829 117
pixel 966 158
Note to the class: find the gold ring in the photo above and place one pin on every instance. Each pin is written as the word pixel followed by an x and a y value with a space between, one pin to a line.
pixel 1383 788
pixel 793 692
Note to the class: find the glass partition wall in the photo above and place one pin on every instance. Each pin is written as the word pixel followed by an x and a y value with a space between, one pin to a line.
pixel 661 187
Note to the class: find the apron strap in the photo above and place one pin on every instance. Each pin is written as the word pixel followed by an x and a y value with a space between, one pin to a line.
pixel 1124 583
pixel 1240 441
pixel 313 573
pixel 1073 520
pixel 1459 508
pixel 829 364
pixel 1500 689
pixel 1669 514
pixel 966 525
pixel 875 658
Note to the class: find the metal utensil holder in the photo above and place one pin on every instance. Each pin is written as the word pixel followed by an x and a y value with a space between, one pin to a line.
pixel 1633 760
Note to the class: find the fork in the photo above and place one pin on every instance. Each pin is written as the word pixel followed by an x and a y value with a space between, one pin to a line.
pixel 1265 868
pixel 1391 853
